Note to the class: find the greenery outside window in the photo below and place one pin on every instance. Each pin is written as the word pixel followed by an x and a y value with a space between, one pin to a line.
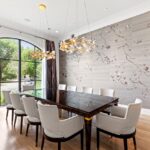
pixel 16 65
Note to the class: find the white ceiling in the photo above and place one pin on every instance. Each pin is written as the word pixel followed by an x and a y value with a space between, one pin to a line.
pixel 67 16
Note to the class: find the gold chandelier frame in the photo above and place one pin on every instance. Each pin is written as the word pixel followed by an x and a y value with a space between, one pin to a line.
pixel 42 54
pixel 77 44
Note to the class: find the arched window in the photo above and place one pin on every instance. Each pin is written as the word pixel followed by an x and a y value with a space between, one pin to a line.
pixel 17 68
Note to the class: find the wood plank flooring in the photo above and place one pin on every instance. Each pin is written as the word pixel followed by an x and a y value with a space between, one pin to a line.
pixel 10 139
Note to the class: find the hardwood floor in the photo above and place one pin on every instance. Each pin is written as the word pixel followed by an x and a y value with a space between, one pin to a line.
pixel 10 138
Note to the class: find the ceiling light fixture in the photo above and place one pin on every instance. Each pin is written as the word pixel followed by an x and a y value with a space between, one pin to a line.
pixel 78 44
pixel 27 20
pixel 42 7
pixel 105 9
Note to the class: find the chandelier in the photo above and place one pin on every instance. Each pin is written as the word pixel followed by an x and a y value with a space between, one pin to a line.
pixel 42 54
pixel 78 44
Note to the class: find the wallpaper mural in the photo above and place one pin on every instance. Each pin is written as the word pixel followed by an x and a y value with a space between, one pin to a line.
pixel 121 60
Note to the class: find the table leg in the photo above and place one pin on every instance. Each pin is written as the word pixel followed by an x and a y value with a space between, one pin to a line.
pixel 116 104
pixel 88 126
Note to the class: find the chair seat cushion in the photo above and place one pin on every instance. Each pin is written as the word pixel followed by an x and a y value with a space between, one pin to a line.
pixel 9 106
pixel 113 124
pixel 33 119
pixel 118 132
pixel 19 112
pixel 53 134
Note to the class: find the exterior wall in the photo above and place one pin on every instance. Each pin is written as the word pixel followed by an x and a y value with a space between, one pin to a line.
pixel 120 61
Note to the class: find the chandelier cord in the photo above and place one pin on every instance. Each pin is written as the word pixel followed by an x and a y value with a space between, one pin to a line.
pixel 87 19
pixel 39 21
pixel 76 18
pixel 47 23
pixel 66 20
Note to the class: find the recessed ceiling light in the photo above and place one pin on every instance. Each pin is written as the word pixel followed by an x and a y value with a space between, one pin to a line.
pixel 42 7
pixel 57 31
pixel 27 20
pixel 106 9
pixel 127 26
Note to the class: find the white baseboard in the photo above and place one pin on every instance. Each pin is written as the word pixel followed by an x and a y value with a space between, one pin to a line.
pixel 145 111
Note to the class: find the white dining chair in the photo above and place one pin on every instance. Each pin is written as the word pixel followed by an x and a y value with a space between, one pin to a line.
pixel 19 109
pixel 121 123
pixel 107 92
pixel 87 90
pixel 30 106
pixel 8 104
pixel 72 88
pixel 62 87
pixel 57 130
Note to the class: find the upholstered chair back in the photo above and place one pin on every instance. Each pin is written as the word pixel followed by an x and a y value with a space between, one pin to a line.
pixel 50 119
pixel 87 90
pixel 62 87
pixel 30 106
pixel 71 88
pixel 16 101
pixel 107 92
pixel 7 97
pixel 133 113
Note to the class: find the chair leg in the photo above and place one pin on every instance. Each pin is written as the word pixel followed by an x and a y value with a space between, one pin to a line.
pixel 27 129
pixel 97 133
pixel 82 139
pixel 125 144
pixel 36 139
pixel 60 113
pixel 59 145
pixel 21 124
pixel 43 139
pixel 12 117
pixel 15 120
pixel 7 113
pixel 134 141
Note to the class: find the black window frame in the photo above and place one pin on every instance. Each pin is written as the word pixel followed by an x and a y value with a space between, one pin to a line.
pixel 19 60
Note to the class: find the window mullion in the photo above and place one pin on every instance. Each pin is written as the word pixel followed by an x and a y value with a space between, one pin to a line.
pixel 19 75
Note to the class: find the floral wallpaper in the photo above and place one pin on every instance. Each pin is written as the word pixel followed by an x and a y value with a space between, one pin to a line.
pixel 121 60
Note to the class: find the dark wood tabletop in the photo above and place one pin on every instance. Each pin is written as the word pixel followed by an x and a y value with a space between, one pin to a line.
pixel 84 104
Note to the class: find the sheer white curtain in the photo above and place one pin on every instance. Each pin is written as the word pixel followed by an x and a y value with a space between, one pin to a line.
pixel 43 83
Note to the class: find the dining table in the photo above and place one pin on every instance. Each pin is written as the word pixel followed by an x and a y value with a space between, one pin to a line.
pixel 83 104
